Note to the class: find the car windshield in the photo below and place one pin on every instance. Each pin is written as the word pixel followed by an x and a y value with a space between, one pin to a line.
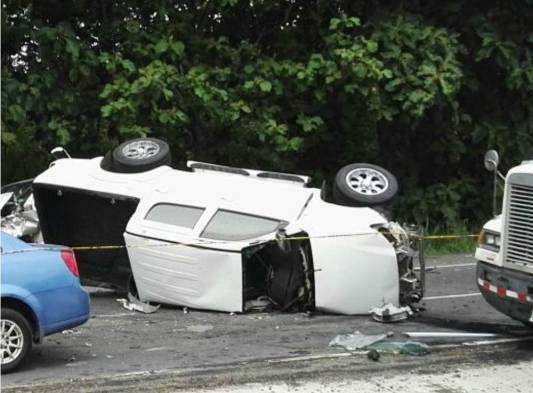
pixel 227 225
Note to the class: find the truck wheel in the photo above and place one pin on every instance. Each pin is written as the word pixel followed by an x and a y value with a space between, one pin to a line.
pixel 16 339
pixel 364 185
pixel 139 155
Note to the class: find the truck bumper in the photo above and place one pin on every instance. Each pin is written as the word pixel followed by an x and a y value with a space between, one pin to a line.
pixel 509 292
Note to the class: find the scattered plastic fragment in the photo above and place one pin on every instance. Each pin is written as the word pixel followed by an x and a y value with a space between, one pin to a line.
pixel 391 313
pixel 185 310
pixel 134 304
pixel 262 303
pixel 373 355
pixel 71 331
pixel 352 342
pixel 401 347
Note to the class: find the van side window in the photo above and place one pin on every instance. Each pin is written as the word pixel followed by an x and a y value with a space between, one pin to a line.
pixel 179 215
pixel 227 225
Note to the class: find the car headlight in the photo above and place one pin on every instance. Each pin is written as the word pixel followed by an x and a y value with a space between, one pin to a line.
pixel 490 240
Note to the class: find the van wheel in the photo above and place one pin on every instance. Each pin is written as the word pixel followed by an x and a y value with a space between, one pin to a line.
pixel 139 155
pixel 364 185
pixel 16 339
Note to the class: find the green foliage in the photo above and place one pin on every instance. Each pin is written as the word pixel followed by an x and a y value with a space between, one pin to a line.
pixel 460 245
pixel 420 88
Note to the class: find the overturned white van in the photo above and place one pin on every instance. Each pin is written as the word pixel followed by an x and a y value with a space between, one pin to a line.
pixel 216 237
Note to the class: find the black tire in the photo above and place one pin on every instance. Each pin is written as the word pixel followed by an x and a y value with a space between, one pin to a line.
pixel 382 187
pixel 17 321
pixel 140 155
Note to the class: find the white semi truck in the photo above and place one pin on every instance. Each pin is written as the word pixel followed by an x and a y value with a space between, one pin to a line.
pixel 505 251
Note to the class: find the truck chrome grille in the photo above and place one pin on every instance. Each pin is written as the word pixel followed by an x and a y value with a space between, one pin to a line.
pixel 520 229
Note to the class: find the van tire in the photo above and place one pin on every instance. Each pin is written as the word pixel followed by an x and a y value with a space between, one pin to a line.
pixel 364 184
pixel 140 155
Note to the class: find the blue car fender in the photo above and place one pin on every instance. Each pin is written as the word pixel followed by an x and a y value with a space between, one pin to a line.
pixel 10 291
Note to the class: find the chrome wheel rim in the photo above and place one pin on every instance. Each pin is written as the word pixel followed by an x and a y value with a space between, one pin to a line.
pixel 367 181
pixel 12 341
pixel 139 150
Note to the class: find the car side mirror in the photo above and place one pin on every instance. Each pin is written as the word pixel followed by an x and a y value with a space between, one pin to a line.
pixel 60 152
pixel 491 160
pixel 284 244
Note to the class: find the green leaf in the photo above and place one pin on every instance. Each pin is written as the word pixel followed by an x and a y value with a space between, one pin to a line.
pixel 334 23
pixel 8 137
pixel 265 86
pixel 178 48
pixel 73 48
pixel 63 135
pixel 128 65
pixel 106 110
pixel 161 46
pixel 168 94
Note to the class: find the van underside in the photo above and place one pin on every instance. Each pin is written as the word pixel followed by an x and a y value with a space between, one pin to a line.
pixel 81 218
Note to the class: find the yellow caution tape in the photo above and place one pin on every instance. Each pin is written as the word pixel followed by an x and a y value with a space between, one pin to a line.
pixel 207 243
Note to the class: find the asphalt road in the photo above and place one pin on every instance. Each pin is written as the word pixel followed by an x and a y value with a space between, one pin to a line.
pixel 119 348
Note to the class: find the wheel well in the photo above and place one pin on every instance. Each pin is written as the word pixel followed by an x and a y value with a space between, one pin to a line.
pixel 26 311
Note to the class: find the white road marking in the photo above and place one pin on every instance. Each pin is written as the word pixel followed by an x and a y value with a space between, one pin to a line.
pixel 449 335
pixel 498 341
pixel 431 267
pixel 157 349
pixel 451 296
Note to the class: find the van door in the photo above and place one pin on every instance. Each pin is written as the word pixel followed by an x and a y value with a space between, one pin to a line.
pixel 191 255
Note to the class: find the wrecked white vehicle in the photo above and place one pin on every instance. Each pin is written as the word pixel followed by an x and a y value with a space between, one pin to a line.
pixel 220 238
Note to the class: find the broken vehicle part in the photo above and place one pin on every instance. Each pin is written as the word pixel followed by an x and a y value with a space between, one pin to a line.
pixel 134 304
pixel 401 347
pixel 262 303
pixel 19 214
pixel 391 313
pixel 355 341
pixel 4 199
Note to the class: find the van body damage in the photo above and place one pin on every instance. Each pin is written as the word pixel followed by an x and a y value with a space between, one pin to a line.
pixel 219 240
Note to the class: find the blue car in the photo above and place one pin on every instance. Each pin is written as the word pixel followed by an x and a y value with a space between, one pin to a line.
pixel 41 295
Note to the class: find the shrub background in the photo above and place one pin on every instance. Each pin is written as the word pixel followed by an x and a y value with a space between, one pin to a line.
pixel 421 88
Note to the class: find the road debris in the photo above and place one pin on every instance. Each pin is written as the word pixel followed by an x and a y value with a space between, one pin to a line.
pixel 355 341
pixel 391 313
pixel 70 331
pixel 261 304
pixel 401 347
pixel 373 355
pixel 134 304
